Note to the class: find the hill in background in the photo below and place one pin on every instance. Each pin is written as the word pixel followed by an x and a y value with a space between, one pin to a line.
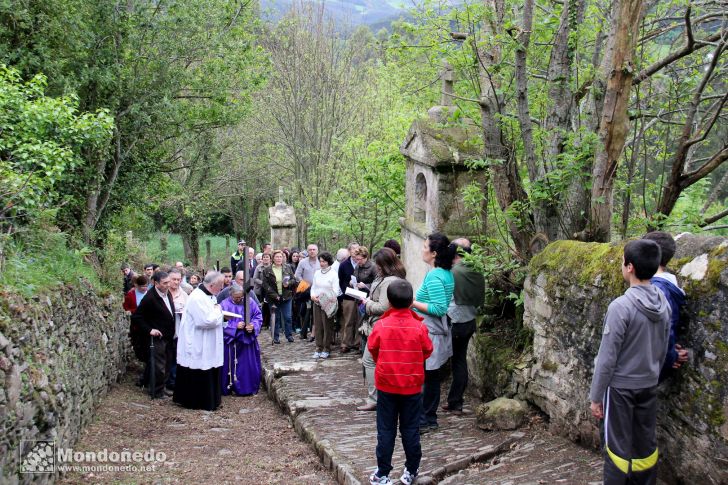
pixel 346 13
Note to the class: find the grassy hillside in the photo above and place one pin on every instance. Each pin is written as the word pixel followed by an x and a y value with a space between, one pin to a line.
pixel 175 251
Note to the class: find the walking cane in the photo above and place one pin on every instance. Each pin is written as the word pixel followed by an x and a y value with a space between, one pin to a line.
pixel 272 323
pixel 152 370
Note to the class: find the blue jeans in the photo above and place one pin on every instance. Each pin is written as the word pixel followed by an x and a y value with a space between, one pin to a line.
pixel 406 409
pixel 283 313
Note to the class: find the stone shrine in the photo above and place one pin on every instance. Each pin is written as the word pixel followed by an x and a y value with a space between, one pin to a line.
pixel 282 219
pixel 436 150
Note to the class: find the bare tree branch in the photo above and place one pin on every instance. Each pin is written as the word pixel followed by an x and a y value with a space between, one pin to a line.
pixel 691 45
pixel 714 218
pixel 715 161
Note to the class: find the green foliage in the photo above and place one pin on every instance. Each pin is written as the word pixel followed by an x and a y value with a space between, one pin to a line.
pixel 364 207
pixel 170 81
pixel 569 166
pixel 42 143
pixel 41 257
pixel 565 154
pixel 208 120
pixel 490 253
pixel 366 184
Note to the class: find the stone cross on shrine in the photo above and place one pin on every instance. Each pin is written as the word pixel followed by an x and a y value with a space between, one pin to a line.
pixel 446 108
pixel 448 84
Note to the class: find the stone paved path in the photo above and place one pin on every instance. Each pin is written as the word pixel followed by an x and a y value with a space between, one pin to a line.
pixel 321 397
pixel 247 441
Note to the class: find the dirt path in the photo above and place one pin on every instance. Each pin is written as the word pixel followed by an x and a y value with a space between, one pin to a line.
pixel 247 441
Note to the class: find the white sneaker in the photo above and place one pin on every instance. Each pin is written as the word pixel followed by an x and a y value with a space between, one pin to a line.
pixel 317 355
pixel 407 478
pixel 324 355
pixel 375 479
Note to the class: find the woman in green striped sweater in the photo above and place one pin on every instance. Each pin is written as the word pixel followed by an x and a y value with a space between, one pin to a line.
pixel 432 301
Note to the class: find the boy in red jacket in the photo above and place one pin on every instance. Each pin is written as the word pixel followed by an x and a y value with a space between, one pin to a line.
pixel 399 345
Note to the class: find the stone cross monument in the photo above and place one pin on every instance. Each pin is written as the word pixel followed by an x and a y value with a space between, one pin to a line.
pixel 436 151
pixel 283 226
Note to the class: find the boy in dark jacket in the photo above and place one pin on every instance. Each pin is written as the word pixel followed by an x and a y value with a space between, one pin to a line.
pixel 667 283
pixel 399 344
pixel 626 371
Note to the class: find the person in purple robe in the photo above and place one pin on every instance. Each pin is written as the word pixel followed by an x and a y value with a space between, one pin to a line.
pixel 241 365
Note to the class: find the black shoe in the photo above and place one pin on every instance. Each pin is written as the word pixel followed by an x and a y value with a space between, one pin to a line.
pixel 311 339
pixel 168 392
pixel 290 339
pixel 303 337
pixel 276 341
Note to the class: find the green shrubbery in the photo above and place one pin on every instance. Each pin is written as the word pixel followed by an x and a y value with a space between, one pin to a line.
pixel 42 139
pixel 39 256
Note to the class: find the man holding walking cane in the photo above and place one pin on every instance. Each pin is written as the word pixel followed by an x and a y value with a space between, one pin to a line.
pixel 156 318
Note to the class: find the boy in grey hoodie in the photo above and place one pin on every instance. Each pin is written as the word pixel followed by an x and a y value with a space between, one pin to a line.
pixel 626 371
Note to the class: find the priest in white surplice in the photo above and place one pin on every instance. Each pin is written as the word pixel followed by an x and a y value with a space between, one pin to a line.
pixel 200 347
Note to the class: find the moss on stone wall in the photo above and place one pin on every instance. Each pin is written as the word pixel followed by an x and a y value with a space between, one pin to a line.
pixel 496 361
pixel 708 285
pixel 594 264
pixel 500 352
pixel 444 140
pixel 569 287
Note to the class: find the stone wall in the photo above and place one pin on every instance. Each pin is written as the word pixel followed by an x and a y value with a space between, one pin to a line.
pixel 569 287
pixel 58 355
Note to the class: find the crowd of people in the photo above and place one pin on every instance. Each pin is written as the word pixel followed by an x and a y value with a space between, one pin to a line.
pixel 198 334
pixel 191 332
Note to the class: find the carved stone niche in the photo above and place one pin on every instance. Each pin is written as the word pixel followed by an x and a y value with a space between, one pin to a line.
pixel 436 150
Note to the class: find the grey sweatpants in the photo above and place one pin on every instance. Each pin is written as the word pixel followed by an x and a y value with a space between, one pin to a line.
pixel 630 445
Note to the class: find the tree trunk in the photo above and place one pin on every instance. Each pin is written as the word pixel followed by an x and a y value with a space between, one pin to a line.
pixel 554 218
pixel 506 180
pixel 253 229
pixel 524 113
pixel 614 121
pixel 191 245
pixel 100 191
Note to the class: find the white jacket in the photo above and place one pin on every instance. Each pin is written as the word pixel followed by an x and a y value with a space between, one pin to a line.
pixel 328 281
pixel 200 344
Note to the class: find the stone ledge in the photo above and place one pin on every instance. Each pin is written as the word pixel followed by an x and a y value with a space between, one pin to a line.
pixel 331 460
pixel 321 406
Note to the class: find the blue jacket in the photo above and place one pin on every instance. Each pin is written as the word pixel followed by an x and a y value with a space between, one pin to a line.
pixel 675 298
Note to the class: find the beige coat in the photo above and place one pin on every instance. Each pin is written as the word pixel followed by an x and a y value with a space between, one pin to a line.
pixel 378 304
